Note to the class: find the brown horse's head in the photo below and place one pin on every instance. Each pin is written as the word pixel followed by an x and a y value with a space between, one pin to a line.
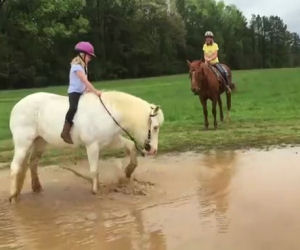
pixel 196 75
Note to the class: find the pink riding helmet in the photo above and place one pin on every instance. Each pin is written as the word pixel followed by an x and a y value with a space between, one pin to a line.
pixel 85 47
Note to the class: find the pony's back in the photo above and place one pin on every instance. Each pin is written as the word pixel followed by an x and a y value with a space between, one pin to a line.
pixel 24 115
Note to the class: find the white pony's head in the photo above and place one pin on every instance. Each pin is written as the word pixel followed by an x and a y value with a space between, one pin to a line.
pixel 156 119
pixel 137 116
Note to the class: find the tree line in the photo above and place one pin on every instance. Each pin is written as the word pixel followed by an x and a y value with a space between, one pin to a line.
pixel 132 38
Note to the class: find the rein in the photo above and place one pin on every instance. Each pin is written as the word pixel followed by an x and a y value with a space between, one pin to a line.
pixel 124 130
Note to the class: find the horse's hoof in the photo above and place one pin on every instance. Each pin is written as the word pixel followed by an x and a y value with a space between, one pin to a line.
pixel 94 192
pixel 124 180
pixel 37 188
pixel 95 189
pixel 128 174
pixel 13 198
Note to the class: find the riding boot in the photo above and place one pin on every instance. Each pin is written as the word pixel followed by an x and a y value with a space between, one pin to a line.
pixel 65 134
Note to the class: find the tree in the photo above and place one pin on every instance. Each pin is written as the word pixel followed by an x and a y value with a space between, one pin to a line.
pixel 31 31
pixel 132 38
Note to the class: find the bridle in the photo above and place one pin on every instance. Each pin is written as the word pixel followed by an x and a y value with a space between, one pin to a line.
pixel 147 146
pixel 193 75
pixel 153 113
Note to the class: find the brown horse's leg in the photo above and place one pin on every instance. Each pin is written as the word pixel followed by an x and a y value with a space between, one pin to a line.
pixel 221 108
pixel 214 111
pixel 204 107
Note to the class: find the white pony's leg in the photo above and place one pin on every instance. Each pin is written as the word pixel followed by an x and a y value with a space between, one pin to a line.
pixel 122 142
pixel 18 169
pixel 131 151
pixel 93 157
pixel 37 150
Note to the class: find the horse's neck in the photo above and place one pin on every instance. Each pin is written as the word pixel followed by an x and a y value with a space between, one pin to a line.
pixel 204 81
pixel 130 111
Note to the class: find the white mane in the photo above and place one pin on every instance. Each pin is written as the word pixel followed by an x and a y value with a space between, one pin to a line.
pixel 132 110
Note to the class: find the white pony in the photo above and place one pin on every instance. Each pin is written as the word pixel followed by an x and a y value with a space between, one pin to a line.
pixel 38 119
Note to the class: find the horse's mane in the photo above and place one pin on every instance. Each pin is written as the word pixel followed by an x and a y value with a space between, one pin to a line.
pixel 203 68
pixel 199 64
pixel 196 63
pixel 135 109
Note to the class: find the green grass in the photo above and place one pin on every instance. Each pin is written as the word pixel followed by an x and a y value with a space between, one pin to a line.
pixel 265 111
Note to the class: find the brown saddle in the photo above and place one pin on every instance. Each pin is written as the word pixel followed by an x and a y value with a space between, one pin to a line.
pixel 218 73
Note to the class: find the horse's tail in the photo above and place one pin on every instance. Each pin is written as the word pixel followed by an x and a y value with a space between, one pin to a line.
pixel 232 86
pixel 228 99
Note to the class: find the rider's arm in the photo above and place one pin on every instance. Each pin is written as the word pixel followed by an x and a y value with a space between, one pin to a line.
pixel 205 54
pixel 87 83
pixel 206 57
pixel 213 56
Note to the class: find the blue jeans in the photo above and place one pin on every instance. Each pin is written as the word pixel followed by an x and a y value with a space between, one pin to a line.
pixel 223 72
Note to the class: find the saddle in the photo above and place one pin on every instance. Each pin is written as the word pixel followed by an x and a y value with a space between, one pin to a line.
pixel 218 74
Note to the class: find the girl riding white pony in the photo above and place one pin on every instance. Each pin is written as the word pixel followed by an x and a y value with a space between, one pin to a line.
pixel 78 84
pixel 36 120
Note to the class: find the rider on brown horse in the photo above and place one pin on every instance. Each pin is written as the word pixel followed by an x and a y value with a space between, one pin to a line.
pixel 210 49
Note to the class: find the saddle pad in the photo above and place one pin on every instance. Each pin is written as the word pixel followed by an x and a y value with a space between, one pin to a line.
pixel 217 72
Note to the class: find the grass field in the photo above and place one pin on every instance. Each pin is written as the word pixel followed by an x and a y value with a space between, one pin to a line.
pixel 265 111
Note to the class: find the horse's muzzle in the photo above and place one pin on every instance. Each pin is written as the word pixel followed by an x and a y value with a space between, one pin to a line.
pixel 149 150
pixel 195 91
pixel 147 147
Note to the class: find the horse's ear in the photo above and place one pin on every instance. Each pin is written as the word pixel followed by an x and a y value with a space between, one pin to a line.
pixel 188 63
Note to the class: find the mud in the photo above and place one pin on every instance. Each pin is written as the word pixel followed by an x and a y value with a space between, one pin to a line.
pixel 217 200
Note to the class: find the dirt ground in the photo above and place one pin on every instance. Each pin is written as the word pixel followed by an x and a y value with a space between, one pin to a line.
pixel 231 200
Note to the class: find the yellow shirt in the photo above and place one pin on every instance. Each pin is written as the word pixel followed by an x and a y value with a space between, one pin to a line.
pixel 209 50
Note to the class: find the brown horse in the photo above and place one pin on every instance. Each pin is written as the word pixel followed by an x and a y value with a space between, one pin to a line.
pixel 207 85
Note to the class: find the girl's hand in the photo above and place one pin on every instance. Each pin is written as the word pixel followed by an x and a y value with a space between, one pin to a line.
pixel 98 93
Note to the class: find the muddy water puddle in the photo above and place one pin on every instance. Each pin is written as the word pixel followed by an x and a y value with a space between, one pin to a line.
pixel 217 200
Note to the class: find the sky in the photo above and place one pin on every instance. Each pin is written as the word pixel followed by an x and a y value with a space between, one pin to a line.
pixel 287 10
